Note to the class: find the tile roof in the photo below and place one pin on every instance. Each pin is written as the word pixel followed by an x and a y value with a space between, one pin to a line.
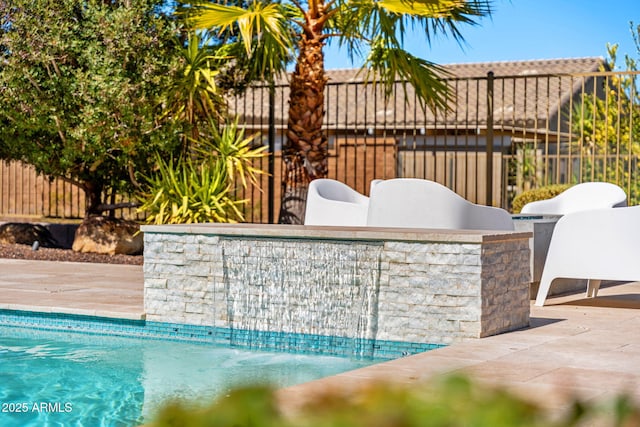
pixel 499 68
pixel 527 94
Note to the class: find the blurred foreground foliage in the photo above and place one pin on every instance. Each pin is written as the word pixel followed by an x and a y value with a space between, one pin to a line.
pixel 450 402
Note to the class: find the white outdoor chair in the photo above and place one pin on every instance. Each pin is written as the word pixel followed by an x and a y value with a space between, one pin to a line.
pixel 580 197
pixel 330 202
pixel 596 245
pixel 419 203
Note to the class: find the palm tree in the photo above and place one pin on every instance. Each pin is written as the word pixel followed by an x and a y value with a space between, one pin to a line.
pixel 272 33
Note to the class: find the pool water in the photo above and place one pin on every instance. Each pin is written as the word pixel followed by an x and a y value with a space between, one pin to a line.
pixel 65 378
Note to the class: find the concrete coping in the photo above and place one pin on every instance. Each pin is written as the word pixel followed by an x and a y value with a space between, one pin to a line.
pixel 339 233
pixel 75 311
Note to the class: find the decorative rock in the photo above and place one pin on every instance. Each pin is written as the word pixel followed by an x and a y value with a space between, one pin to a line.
pixel 106 235
pixel 26 234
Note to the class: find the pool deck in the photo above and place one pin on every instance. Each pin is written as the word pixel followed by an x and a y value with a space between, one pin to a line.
pixel 575 347
pixel 109 290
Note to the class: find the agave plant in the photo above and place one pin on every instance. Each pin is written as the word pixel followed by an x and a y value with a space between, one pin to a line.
pixel 184 191
pixel 236 151
pixel 200 187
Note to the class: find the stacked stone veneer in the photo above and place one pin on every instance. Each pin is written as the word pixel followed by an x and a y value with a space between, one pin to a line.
pixel 406 285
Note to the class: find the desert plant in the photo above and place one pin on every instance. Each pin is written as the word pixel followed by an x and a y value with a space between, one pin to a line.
pixel 541 193
pixel 200 186
pixel 236 151
pixel 193 99
pixel 186 191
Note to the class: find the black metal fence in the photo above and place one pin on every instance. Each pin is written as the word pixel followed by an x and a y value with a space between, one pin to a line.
pixel 502 135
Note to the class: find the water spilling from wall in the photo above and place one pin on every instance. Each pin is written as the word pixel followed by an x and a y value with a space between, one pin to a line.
pixel 321 291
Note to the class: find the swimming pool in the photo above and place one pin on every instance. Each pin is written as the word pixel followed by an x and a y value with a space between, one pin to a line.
pixel 68 378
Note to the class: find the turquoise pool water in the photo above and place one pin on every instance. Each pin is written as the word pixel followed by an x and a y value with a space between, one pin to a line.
pixel 66 378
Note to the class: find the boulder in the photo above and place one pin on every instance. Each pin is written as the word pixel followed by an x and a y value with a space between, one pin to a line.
pixel 26 234
pixel 104 235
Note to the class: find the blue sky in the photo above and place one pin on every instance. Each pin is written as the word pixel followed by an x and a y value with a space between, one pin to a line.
pixel 530 29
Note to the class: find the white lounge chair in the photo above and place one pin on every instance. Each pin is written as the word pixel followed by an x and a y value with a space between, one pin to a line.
pixel 419 203
pixel 580 197
pixel 331 202
pixel 596 245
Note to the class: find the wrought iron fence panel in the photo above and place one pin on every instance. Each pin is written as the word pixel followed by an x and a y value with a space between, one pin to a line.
pixel 502 135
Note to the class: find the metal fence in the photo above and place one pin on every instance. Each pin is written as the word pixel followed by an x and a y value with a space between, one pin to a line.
pixel 501 136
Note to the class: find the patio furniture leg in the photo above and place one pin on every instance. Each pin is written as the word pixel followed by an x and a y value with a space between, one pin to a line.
pixel 543 290
pixel 592 288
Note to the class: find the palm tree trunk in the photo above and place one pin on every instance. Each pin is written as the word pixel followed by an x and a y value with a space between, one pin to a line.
pixel 305 152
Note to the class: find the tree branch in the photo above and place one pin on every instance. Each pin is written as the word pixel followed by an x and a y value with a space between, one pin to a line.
pixel 329 35
pixel 302 25
pixel 132 176
pixel 71 181
pixel 298 5
pixel 59 129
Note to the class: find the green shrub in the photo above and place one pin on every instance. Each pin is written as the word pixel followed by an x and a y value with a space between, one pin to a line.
pixel 451 402
pixel 200 187
pixel 187 191
pixel 542 193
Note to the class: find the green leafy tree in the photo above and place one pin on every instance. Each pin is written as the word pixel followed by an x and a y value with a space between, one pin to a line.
pixel 606 129
pixel 273 33
pixel 81 84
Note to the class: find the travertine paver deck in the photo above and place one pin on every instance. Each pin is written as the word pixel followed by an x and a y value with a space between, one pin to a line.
pixel 110 290
pixel 575 346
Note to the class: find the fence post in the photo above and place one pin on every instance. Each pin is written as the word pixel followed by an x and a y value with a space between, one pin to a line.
pixel 489 148
pixel 272 151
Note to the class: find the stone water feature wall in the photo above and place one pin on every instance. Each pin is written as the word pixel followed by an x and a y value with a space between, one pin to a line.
pixel 373 285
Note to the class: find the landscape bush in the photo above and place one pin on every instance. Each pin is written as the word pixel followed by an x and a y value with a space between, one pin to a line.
pixel 541 193
pixel 453 401
pixel 200 186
